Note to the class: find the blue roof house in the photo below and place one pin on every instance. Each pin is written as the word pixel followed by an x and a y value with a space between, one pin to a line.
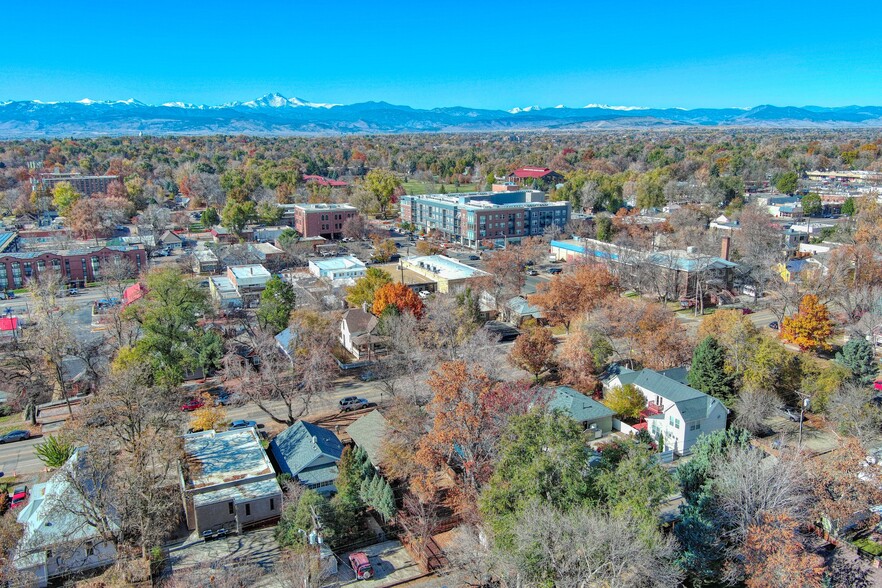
pixel 591 414
pixel 309 454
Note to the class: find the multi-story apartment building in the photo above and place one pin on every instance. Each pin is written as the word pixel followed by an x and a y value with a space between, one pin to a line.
pixel 77 266
pixel 86 185
pixel 318 220
pixel 480 218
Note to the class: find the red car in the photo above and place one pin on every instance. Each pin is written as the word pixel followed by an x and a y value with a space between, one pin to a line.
pixel 361 565
pixel 19 496
pixel 877 384
pixel 192 404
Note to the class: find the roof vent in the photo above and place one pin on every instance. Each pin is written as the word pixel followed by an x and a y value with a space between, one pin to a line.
pixel 314 440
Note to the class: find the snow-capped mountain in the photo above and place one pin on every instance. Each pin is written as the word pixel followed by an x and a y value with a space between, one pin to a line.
pixel 274 114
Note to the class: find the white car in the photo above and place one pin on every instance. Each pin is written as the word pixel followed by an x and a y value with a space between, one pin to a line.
pixel 424 294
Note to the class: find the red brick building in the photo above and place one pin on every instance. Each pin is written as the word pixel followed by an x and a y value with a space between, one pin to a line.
pixel 318 220
pixel 78 266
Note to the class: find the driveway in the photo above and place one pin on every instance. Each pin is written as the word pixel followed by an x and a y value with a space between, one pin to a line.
pixel 391 563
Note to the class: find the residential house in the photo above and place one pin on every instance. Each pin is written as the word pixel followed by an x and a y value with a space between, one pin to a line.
pixel 58 538
pixel 205 261
pixel 284 341
pixel 368 433
pixel 676 414
pixel 227 482
pixel 526 176
pixel 592 415
pixel 266 253
pixel 170 240
pixel 358 334
pixel 309 454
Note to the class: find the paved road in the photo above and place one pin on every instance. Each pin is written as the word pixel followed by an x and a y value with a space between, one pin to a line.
pixel 19 457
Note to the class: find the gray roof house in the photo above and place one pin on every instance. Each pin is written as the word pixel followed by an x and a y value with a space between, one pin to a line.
pixel 587 411
pixel 57 537
pixel 309 454
pixel 676 414
pixel 368 433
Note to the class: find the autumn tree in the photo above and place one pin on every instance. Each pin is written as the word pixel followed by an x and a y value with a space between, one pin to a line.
pixel 236 215
pixel 570 295
pixel 384 249
pixel 354 227
pixel 811 327
pixel 533 351
pixel 841 486
pixel 505 267
pixel 400 296
pixel 64 196
pixel 97 216
pixel 365 289
pixel 626 401
pixel 383 185
pixel 776 557
pixel 735 333
pixel 580 360
pixel 209 416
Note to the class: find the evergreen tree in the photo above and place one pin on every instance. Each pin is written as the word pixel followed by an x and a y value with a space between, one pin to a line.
pixel 857 356
pixel 386 502
pixel 708 372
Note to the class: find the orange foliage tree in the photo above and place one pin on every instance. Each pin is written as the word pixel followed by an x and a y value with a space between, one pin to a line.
pixel 399 296
pixel 775 557
pixel 533 351
pixel 578 365
pixel 568 296
pixel 811 327
pixel 842 486
pixel 469 410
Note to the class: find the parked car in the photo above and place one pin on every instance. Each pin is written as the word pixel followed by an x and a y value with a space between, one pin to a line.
pixel 554 271
pixel 352 403
pixel 19 496
pixel 532 272
pixel 192 404
pixel 792 414
pixel 745 310
pixel 240 424
pixel 773 325
pixel 367 376
pixel 361 565
pixel 474 258
pixel 17 435
pixel 424 294
pixel 10 294
pixel 877 384
pixel 73 292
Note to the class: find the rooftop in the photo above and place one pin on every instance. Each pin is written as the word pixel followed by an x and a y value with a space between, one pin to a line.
pixel 443 267
pixel 320 206
pixel 265 248
pixel 297 447
pixel 345 262
pixel 254 270
pixel 233 460
pixel 68 252
pixel 693 404
pixel 204 255
pixel 577 405
pixel 224 285
pixel 368 433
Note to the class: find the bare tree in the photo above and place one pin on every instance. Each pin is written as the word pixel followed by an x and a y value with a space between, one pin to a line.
pixel 301 568
pixel 115 276
pixel 856 413
pixel 753 408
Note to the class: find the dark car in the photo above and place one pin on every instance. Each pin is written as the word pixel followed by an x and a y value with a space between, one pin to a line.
pixel 222 399
pixel 474 258
pixel 368 375
pixel 17 435
pixel 240 424
pixel 19 496
pixel 554 271
pixel 773 325
pixel 192 404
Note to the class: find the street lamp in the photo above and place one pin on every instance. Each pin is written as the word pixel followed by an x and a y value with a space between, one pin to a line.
pixel 802 409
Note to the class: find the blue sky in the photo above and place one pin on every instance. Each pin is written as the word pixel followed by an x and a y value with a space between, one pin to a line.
pixel 426 54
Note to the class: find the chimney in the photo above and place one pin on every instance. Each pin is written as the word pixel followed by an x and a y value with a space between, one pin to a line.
pixel 724 248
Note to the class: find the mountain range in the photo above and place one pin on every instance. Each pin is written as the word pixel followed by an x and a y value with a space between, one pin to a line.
pixel 275 114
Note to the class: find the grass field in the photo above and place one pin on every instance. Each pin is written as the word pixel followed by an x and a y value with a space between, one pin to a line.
pixel 420 187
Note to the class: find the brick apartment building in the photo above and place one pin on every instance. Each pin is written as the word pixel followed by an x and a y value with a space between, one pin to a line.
pixel 318 220
pixel 479 218
pixel 78 266
pixel 86 185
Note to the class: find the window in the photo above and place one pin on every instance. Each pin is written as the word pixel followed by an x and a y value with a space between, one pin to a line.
pixel 676 423
pixel 232 510
pixel 247 510
pixel 272 504
pixel 695 427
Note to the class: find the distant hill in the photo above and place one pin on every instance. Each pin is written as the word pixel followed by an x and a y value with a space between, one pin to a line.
pixel 275 114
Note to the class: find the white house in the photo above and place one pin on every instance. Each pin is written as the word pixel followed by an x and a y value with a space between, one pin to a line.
pixel 357 333
pixel 57 538
pixel 676 414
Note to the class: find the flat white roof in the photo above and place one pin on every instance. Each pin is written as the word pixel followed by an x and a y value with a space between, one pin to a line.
pixel 444 267
pixel 344 262
pixel 254 270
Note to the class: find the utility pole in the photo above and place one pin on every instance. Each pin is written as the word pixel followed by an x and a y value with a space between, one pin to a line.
pixel 802 408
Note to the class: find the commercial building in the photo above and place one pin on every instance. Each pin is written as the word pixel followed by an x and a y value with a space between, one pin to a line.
pixel 266 252
pixel 485 218
pixel 346 267
pixel 205 261
pixel 57 537
pixel 448 274
pixel 249 281
pixel 77 266
pixel 227 482
pixel 9 242
pixel 224 292
pixel 86 185
pixel 318 220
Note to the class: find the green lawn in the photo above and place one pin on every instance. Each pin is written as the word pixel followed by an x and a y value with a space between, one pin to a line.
pixel 420 187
